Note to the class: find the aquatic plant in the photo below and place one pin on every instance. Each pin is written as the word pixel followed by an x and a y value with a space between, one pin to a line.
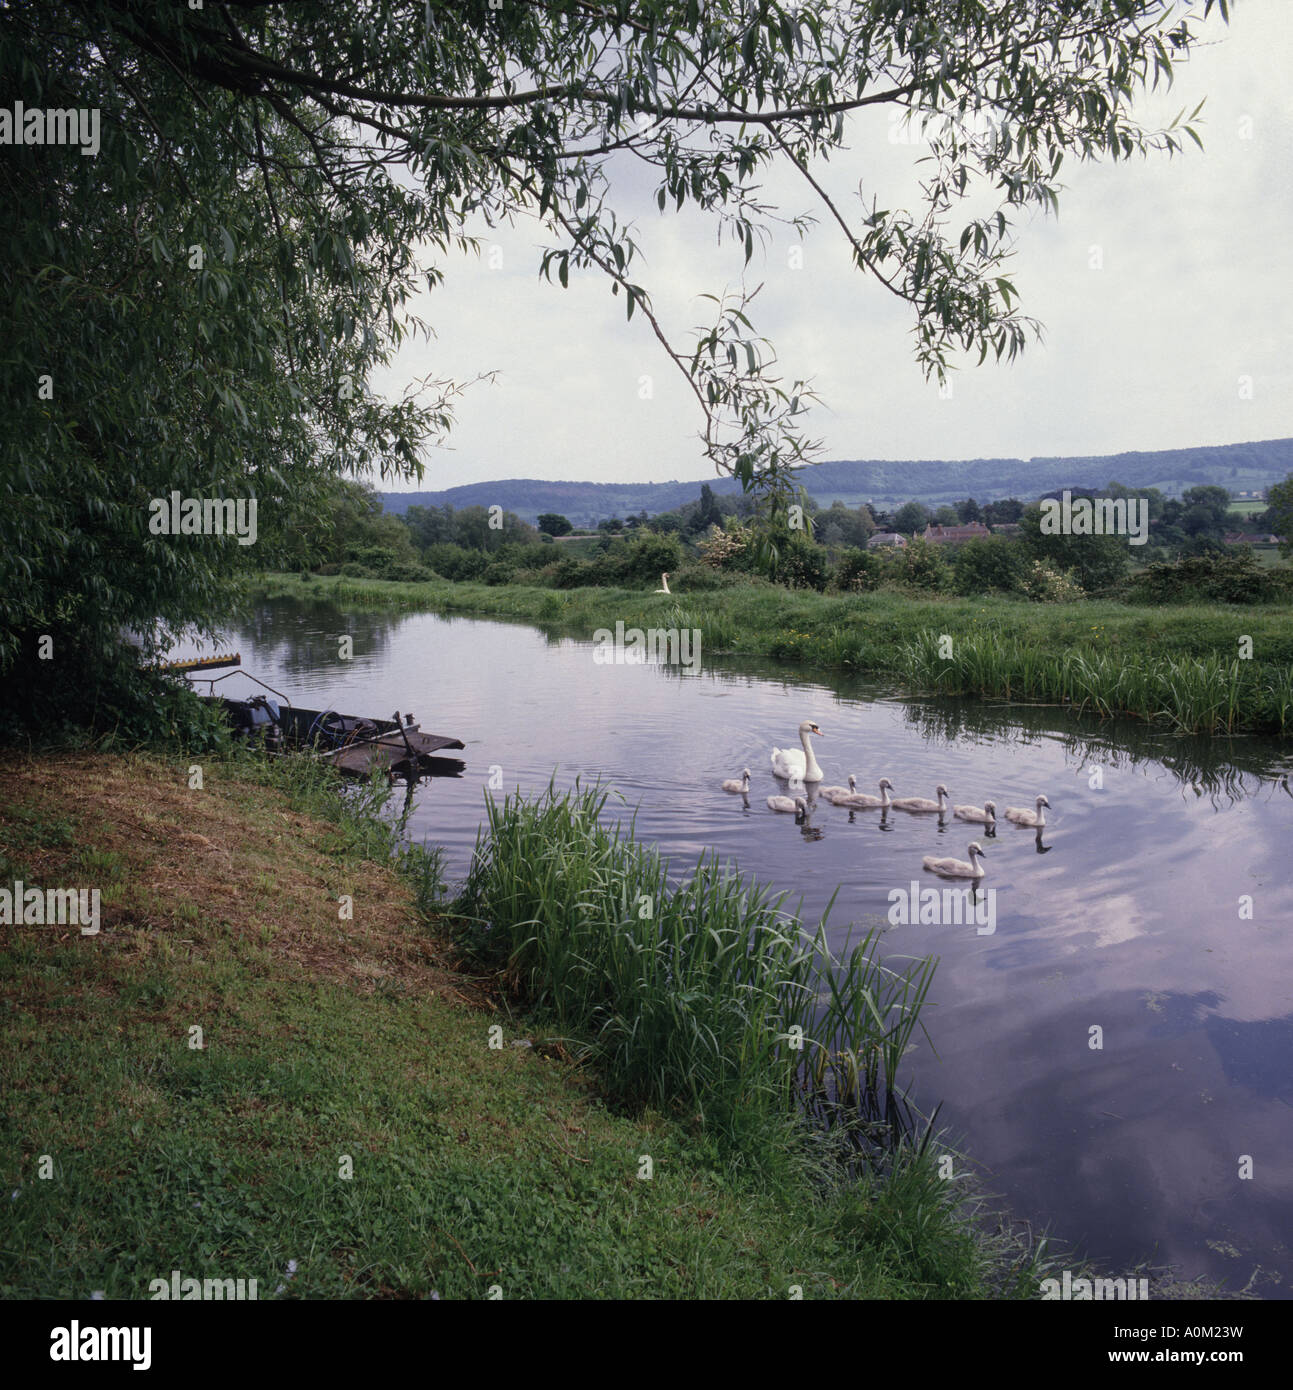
pixel 1195 694
pixel 700 995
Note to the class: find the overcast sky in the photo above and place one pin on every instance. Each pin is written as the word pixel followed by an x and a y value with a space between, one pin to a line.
pixel 1195 292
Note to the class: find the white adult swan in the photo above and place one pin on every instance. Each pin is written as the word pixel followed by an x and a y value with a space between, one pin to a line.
pixel 981 815
pixel 799 767
pixel 958 868
pixel 922 803
pixel 664 579
pixel 741 784
pixel 1022 816
pixel 837 794
pixel 862 800
pixel 788 804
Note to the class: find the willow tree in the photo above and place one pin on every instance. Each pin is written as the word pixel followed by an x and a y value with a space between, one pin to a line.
pixel 198 306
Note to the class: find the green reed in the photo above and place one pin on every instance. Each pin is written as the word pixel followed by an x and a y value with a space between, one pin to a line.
pixel 1204 694
pixel 703 997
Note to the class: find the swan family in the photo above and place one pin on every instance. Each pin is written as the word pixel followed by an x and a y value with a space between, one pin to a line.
pixel 799 766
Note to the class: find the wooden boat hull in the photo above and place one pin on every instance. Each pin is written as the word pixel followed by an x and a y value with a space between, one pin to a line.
pixel 355 745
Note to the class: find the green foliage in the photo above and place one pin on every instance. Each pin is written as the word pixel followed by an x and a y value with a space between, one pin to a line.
pixel 858 572
pixel 1096 562
pixel 1229 576
pixel 347 526
pixel 910 518
pixel 730 547
pixel 1279 513
pixel 992 565
pixel 101 691
pixel 198 315
pixel 702 579
pixel 799 563
pixel 455 561
pixel 1043 584
pixel 840 525
pixel 498 572
pixel 919 566
pixel 634 562
pixel 468 527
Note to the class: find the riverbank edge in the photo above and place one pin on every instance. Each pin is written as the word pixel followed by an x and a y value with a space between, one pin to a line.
pixel 1183 666
pixel 326 1037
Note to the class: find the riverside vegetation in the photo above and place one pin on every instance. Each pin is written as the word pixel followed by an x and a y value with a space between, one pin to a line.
pixel 1183 664
pixel 366 1042
pixel 1186 631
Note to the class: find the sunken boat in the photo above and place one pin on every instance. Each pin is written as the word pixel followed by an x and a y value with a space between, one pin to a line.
pixel 355 745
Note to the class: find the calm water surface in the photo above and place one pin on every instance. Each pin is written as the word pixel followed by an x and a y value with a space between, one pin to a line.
pixel 1127 915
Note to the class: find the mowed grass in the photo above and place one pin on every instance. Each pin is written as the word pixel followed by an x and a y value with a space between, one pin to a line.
pixel 334 1045
pixel 1182 664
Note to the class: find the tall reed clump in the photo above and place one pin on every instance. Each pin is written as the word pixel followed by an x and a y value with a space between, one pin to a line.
pixel 702 998
pixel 1209 694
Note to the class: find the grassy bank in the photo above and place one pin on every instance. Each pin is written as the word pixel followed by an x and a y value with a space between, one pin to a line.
pixel 334 1045
pixel 1176 664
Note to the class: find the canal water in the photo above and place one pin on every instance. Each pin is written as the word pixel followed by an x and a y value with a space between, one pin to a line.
pixel 1115 1056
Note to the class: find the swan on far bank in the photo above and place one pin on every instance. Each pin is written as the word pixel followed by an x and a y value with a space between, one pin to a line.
pixel 863 800
pixel 795 804
pixel 795 766
pixel 922 803
pixel 958 868
pixel 982 815
pixel 664 579
pixel 1022 816
pixel 738 784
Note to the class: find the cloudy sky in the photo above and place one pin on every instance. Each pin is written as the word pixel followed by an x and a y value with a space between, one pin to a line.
pixel 1161 285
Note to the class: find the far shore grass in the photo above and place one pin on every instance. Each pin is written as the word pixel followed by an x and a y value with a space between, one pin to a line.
pixel 235 1079
pixel 1187 666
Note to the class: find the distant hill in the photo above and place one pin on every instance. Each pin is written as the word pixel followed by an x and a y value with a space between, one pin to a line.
pixel 1239 467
